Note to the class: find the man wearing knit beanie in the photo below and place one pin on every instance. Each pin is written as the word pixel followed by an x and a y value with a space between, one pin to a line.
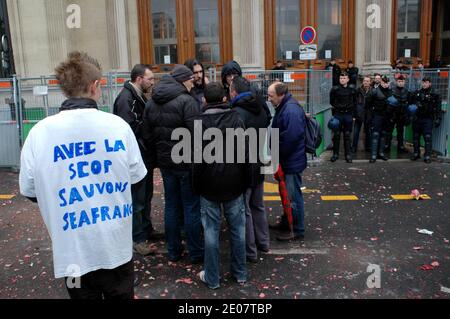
pixel 184 75
pixel 172 107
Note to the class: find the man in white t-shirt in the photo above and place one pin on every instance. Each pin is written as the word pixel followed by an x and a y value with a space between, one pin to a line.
pixel 79 166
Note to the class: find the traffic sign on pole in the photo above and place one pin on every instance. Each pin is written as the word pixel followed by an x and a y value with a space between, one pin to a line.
pixel 308 35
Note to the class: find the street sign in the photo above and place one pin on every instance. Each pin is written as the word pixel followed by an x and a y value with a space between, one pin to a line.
pixel 308 35
pixel 308 52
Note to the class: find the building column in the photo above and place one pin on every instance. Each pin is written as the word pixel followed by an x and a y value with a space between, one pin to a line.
pixel 373 44
pixel 117 32
pixel 16 36
pixel 248 38
pixel 58 37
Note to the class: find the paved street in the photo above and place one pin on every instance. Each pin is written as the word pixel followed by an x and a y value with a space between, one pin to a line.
pixel 352 222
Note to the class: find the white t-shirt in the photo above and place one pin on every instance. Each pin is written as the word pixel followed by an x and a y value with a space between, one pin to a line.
pixel 80 165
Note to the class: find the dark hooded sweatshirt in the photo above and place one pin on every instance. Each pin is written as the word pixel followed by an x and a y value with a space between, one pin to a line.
pixel 171 107
pixel 234 68
pixel 254 115
pixel 221 182
pixel 230 68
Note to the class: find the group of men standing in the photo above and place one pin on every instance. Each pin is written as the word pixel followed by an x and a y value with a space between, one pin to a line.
pixel 196 194
pixel 92 172
pixel 382 107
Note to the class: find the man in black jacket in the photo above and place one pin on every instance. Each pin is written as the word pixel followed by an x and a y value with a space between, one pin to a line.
pixel 229 71
pixel 221 185
pixel 253 114
pixel 172 107
pixel 130 105
pixel 429 115
pixel 336 71
pixel 398 115
pixel 362 115
pixel 343 102
pixel 377 102
pixel 353 73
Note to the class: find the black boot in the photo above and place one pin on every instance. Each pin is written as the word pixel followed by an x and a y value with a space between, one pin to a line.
pixel 368 141
pixel 400 143
pixel 347 146
pixel 381 155
pixel 374 147
pixel 416 143
pixel 387 144
pixel 336 146
pixel 428 148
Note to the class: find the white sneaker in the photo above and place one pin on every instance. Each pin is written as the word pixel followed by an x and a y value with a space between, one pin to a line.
pixel 201 276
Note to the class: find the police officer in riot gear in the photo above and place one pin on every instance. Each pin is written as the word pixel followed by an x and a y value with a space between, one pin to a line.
pixel 378 103
pixel 343 102
pixel 398 115
pixel 428 114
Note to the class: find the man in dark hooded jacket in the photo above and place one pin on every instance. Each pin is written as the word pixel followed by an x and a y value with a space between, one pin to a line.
pixel 172 107
pixel 130 105
pixel 221 184
pixel 229 71
pixel 253 114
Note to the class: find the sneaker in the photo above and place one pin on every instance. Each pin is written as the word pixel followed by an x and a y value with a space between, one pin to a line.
pixel 264 250
pixel 144 249
pixel 252 260
pixel 201 276
pixel 279 226
pixel 290 237
pixel 241 282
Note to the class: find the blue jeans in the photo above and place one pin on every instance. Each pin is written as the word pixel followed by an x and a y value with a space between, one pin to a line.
pixel 212 219
pixel 293 185
pixel 181 202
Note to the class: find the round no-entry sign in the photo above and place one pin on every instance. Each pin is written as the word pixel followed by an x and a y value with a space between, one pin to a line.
pixel 308 35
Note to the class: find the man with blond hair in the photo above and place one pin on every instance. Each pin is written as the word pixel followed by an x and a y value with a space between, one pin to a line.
pixel 79 166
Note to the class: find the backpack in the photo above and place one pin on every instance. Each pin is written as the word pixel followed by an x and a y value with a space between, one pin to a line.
pixel 313 136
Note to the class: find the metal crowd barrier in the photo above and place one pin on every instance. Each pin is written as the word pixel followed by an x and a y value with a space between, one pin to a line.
pixel 25 101
pixel 9 124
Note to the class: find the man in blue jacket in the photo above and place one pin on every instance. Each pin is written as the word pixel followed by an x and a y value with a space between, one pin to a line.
pixel 290 120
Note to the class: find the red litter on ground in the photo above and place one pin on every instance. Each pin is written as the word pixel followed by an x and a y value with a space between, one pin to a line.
pixel 433 265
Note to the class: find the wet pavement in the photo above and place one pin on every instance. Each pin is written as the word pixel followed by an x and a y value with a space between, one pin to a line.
pixel 367 238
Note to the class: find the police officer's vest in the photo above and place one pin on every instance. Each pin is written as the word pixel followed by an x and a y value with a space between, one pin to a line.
pixel 379 100
pixel 402 95
pixel 426 102
pixel 344 99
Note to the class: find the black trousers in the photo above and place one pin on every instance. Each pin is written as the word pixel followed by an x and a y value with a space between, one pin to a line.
pixel 116 283
pixel 142 194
